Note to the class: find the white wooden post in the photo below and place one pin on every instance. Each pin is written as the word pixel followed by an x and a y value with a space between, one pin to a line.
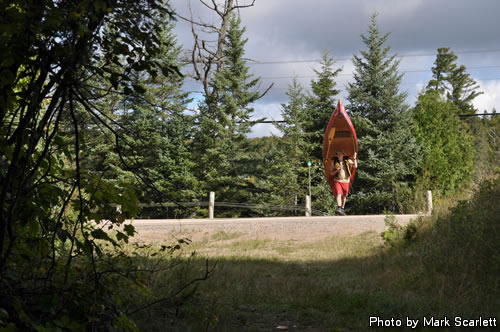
pixel 308 206
pixel 428 200
pixel 211 205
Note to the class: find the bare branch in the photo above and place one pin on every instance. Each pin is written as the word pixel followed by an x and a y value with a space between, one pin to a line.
pixel 266 91
pixel 193 22
pixel 244 6
pixel 208 6
pixel 208 273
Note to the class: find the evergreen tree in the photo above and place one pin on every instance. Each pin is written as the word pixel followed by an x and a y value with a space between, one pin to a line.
pixel 161 131
pixel 292 182
pixel 221 141
pixel 464 90
pixel 453 81
pixel 388 153
pixel 321 104
pixel 155 133
pixel 443 67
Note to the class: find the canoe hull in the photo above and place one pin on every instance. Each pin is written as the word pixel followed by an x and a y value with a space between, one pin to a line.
pixel 339 136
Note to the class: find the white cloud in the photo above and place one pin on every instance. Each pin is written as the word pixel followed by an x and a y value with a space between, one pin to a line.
pixel 490 98
pixel 271 111
pixel 264 129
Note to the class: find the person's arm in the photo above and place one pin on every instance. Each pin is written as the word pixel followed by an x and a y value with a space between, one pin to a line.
pixel 355 160
pixel 334 170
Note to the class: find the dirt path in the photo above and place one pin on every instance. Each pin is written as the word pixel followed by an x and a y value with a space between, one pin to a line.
pixel 279 228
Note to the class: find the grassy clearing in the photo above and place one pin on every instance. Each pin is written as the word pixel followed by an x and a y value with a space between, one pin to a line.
pixel 334 284
pixel 445 266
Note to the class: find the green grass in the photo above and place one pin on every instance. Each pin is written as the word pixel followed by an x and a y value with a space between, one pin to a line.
pixel 334 284
pixel 446 268
pixel 225 236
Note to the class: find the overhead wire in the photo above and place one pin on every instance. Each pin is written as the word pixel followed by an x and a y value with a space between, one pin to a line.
pixel 272 62
pixel 275 62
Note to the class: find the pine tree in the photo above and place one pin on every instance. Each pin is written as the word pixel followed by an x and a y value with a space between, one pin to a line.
pixel 443 67
pixel 464 90
pixel 388 153
pixel 453 81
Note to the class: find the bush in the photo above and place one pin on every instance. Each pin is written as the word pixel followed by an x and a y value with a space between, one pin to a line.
pixel 396 235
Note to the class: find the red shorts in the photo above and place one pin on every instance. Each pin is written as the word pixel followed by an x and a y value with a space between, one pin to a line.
pixel 341 188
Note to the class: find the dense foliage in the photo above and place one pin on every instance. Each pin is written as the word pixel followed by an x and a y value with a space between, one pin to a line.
pixel 320 104
pixel 64 67
pixel 448 148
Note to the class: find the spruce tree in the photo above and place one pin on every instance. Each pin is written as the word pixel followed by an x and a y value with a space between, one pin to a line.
pixel 292 184
pixel 388 153
pixel 320 104
pixel 290 181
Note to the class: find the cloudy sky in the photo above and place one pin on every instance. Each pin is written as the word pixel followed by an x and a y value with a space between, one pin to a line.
pixel 289 36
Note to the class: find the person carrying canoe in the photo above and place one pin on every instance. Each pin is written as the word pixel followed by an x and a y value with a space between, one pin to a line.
pixel 341 172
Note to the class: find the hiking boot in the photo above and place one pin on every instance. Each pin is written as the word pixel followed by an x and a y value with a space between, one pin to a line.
pixel 340 211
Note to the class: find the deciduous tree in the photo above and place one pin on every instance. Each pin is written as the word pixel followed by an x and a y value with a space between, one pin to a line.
pixel 448 148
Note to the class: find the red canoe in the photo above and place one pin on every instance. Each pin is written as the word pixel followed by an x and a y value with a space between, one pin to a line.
pixel 339 136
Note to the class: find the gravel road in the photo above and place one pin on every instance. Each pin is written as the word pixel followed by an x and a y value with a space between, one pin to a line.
pixel 279 228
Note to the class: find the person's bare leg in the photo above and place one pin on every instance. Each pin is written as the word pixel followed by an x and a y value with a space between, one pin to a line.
pixel 339 200
pixel 343 200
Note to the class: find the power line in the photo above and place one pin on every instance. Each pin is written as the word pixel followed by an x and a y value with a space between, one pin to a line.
pixel 350 75
pixel 403 71
pixel 476 114
pixel 273 62
pixel 305 88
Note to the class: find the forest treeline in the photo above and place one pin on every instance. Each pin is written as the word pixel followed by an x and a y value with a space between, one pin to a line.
pixel 170 154
pixel 93 114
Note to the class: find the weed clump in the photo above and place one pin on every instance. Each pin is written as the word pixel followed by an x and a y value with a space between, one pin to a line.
pixel 397 235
